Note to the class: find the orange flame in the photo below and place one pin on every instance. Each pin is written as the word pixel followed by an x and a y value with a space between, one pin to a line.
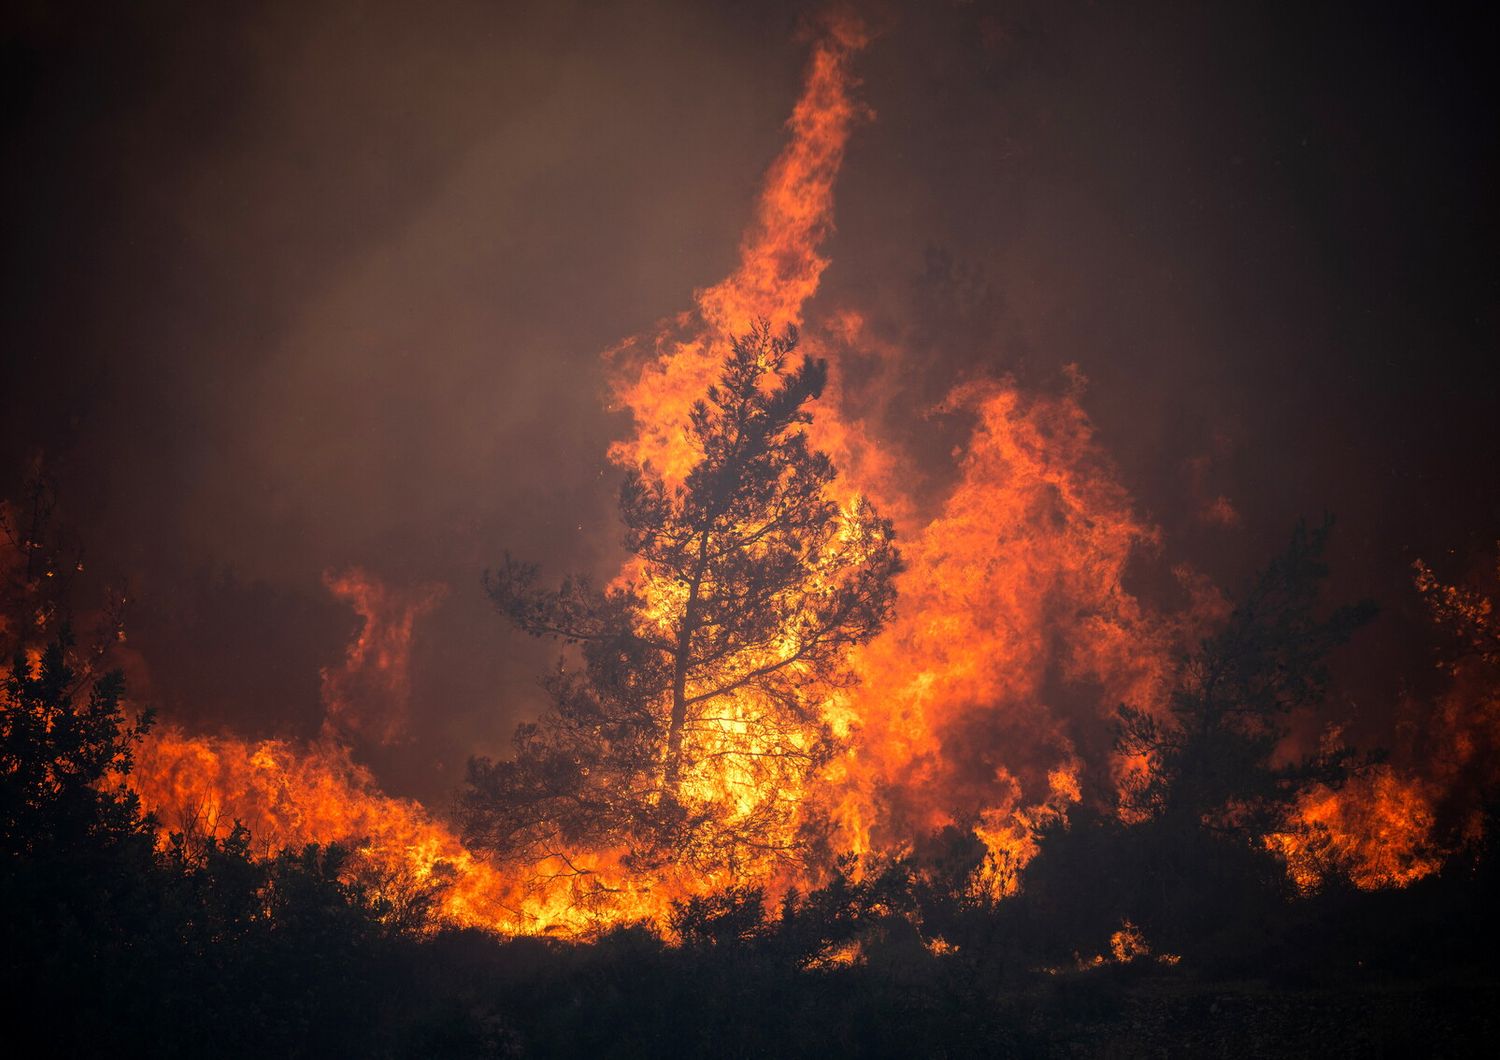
pixel 371 693
pixel 1401 822
pixel 779 271
pixel 1014 593
pixel 289 795
pixel 1378 830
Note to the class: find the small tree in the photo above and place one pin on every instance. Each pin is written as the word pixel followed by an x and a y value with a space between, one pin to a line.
pixel 696 717
pixel 64 754
pixel 1213 766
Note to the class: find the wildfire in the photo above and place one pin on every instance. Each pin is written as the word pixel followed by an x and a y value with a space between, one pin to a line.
pixel 289 795
pixel 1398 823
pixel 1377 829
pixel 1016 630
pixel 1018 581
pixel 659 377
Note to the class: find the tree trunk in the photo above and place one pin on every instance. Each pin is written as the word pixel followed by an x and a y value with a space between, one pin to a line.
pixel 673 770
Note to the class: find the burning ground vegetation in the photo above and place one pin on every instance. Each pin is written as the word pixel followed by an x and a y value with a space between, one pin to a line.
pixel 848 756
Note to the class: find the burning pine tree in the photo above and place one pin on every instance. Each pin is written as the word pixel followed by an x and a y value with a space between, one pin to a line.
pixel 695 721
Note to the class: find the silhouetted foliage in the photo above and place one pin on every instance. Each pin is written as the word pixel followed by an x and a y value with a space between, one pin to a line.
pixel 1212 765
pixel 1193 871
pixel 751 584
pixel 733 916
pixel 64 754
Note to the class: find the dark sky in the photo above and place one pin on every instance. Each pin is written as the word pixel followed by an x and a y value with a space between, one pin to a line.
pixel 316 285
